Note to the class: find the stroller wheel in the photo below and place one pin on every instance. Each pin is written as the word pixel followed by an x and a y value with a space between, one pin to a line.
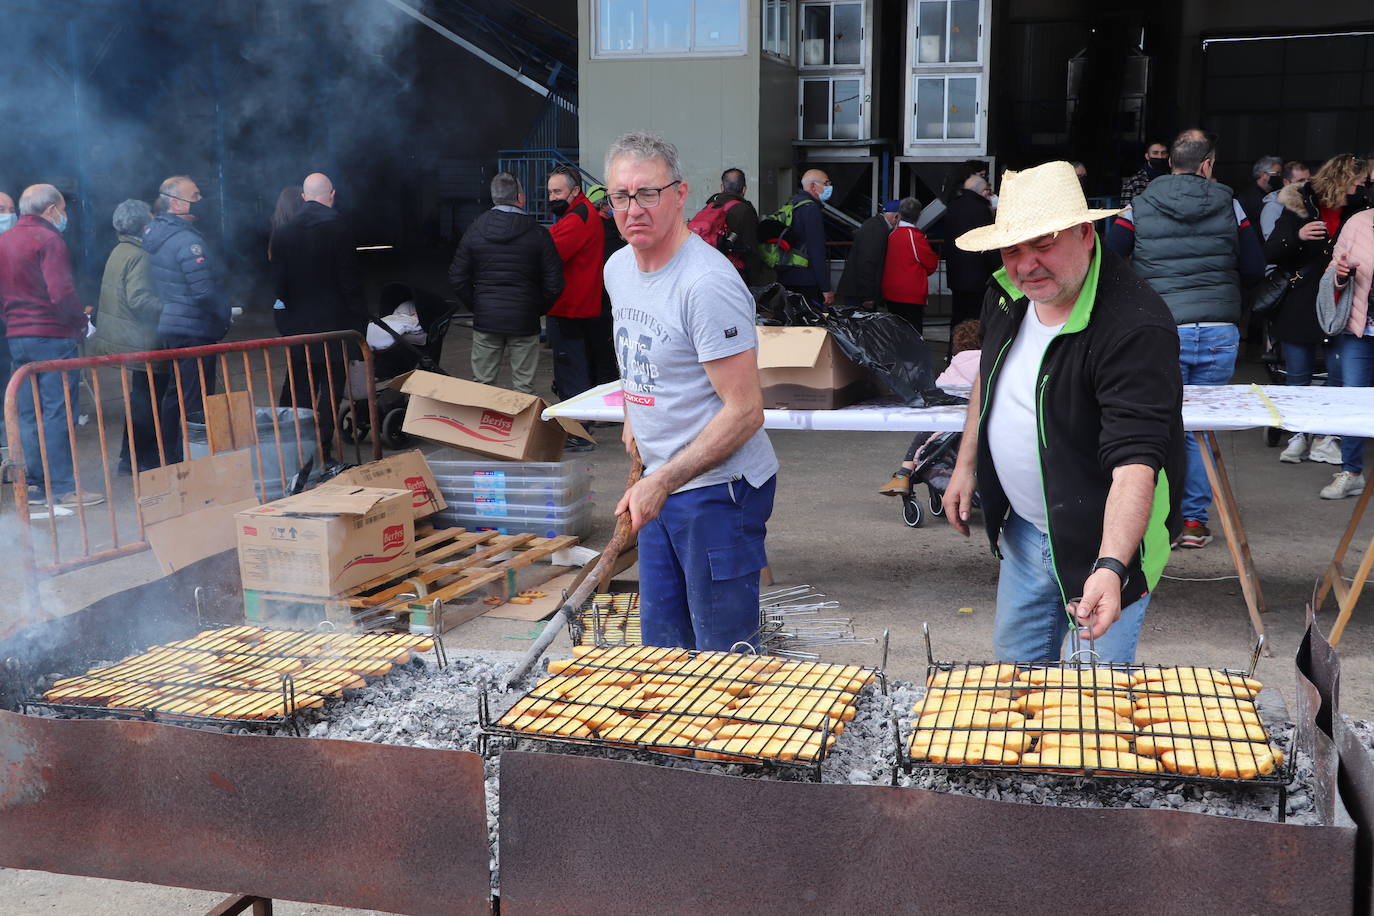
pixel 1272 435
pixel 911 511
pixel 392 437
pixel 350 429
pixel 937 502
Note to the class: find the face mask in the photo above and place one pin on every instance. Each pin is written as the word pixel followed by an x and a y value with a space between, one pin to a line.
pixel 1159 166
pixel 825 192
pixel 7 221
pixel 558 208
pixel 61 224
pixel 992 201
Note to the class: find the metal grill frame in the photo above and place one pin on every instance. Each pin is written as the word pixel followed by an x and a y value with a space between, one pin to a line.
pixel 1278 780
pixel 491 729
pixel 288 719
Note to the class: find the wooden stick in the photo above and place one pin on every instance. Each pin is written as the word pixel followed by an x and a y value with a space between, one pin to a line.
pixel 588 585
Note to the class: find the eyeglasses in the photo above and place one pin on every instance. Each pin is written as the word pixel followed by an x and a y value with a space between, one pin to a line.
pixel 645 197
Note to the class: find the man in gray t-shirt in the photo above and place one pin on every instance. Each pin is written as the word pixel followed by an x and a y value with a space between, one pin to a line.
pixel 685 341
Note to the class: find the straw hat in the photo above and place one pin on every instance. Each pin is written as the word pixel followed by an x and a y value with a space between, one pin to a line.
pixel 1033 203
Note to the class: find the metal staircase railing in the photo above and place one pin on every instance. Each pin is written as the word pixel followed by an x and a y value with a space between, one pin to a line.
pixel 532 167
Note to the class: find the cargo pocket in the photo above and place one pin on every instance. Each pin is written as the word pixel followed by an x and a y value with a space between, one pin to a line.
pixel 743 558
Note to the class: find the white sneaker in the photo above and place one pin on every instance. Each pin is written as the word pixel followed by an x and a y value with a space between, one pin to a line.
pixel 1343 484
pixel 1296 450
pixel 1327 449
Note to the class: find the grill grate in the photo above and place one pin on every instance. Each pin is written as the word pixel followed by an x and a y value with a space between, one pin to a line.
pixel 242 676
pixel 607 620
pixel 717 706
pixel 1136 722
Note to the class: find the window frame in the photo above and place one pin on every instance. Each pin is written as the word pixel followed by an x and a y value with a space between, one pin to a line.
pixel 914 36
pixel 832 78
pixel 918 149
pixel 644 52
pixel 977 108
pixel 774 6
pixel 862 64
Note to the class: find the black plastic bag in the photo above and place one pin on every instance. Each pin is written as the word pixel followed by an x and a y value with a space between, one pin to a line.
pixel 770 304
pixel 894 352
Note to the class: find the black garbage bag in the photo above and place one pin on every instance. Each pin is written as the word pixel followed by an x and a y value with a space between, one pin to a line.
pixel 894 352
pixel 770 304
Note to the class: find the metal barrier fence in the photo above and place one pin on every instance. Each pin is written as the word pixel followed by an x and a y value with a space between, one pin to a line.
pixel 163 396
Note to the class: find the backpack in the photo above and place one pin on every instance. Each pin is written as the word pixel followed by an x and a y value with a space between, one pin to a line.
pixel 775 237
pixel 709 223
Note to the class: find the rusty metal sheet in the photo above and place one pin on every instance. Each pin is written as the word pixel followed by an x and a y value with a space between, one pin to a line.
pixel 581 834
pixel 1357 791
pixel 1321 665
pixel 344 823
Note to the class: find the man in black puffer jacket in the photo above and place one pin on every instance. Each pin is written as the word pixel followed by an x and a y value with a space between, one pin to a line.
pixel 194 312
pixel 508 272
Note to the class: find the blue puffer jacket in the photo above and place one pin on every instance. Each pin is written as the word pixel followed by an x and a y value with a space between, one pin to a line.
pixel 192 306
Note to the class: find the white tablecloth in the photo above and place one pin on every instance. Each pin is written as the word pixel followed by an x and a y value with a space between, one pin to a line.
pixel 1331 411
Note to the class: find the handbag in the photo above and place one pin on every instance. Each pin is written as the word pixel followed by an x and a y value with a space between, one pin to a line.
pixel 1334 304
pixel 1268 294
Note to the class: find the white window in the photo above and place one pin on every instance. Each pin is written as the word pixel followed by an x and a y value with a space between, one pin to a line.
pixel 832 34
pixel 832 108
pixel 948 32
pixel 777 27
pixel 947 108
pixel 659 28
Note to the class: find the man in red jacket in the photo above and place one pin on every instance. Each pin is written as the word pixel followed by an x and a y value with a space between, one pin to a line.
pixel 572 322
pixel 44 320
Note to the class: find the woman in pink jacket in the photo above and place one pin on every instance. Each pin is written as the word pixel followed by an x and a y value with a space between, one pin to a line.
pixel 1352 261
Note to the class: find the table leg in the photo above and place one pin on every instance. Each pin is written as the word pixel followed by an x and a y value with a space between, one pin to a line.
pixel 1236 540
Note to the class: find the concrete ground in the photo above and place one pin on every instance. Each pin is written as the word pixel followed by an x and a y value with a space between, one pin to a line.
pixel 831 530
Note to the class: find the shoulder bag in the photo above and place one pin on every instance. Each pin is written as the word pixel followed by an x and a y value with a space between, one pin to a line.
pixel 1267 295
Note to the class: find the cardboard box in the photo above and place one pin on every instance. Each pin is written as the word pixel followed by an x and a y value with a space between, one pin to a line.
pixel 326 540
pixel 188 509
pixel 804 369
pixel 484 419
pixel 402 471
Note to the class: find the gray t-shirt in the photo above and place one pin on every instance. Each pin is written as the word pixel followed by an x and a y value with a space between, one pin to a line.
pixel 692 310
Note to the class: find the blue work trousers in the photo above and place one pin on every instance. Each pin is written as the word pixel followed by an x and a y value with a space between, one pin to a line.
pixel 699 565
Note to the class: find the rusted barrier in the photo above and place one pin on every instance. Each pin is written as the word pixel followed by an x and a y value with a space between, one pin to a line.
pixel 65 480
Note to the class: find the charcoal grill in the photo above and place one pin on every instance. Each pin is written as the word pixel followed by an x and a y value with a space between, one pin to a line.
pixel 1234 744
pixel 661 735
pixel 163 691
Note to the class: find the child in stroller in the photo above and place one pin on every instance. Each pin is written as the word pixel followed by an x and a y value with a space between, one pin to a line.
pixel 409 335
pixel 930 459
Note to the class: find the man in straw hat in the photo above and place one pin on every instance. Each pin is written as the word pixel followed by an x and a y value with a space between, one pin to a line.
pixel 1074 438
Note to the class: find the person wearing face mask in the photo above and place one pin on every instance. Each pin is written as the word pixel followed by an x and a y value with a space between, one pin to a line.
pixel 808 232
pixel 1188 238
pixel 194 309
pixel 1267 173
pixel 7 215
pixel 44 320
pixel 1293 172
pixel 574 320
pixel 1156 164
pixel 967 272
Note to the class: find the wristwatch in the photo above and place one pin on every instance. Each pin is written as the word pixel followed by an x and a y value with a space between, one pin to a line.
pixel 1114 565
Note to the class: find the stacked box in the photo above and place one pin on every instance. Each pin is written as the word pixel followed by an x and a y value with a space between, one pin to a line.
pixel 545 498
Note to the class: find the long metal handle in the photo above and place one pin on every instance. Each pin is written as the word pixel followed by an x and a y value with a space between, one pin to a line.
pixel 587 585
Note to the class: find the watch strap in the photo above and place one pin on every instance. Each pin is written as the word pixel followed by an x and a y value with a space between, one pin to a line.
pixel 1114 565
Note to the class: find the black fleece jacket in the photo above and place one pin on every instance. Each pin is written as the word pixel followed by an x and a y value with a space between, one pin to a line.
pixel 507 270
pixel 1109 394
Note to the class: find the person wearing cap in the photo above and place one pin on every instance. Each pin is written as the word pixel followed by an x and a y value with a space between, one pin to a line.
pixel 907 268
pixel 1074 437
pixel 861 283
pixel 601 330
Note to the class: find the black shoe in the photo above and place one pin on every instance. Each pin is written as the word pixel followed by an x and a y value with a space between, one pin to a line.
pixel 578 444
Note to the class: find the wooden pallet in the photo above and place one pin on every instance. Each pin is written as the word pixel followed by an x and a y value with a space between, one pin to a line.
pixel 467 571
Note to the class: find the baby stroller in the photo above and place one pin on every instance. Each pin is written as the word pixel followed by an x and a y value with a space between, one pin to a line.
pixel 934 465
pixel 403 354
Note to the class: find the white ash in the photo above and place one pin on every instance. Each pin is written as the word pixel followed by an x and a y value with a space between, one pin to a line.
pixel 1250 803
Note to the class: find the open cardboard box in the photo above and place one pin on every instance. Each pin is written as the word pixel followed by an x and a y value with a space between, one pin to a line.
pixel 484 419
pixel 326 540
pixel 188 508
pixel 402 471
pixel 804 369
